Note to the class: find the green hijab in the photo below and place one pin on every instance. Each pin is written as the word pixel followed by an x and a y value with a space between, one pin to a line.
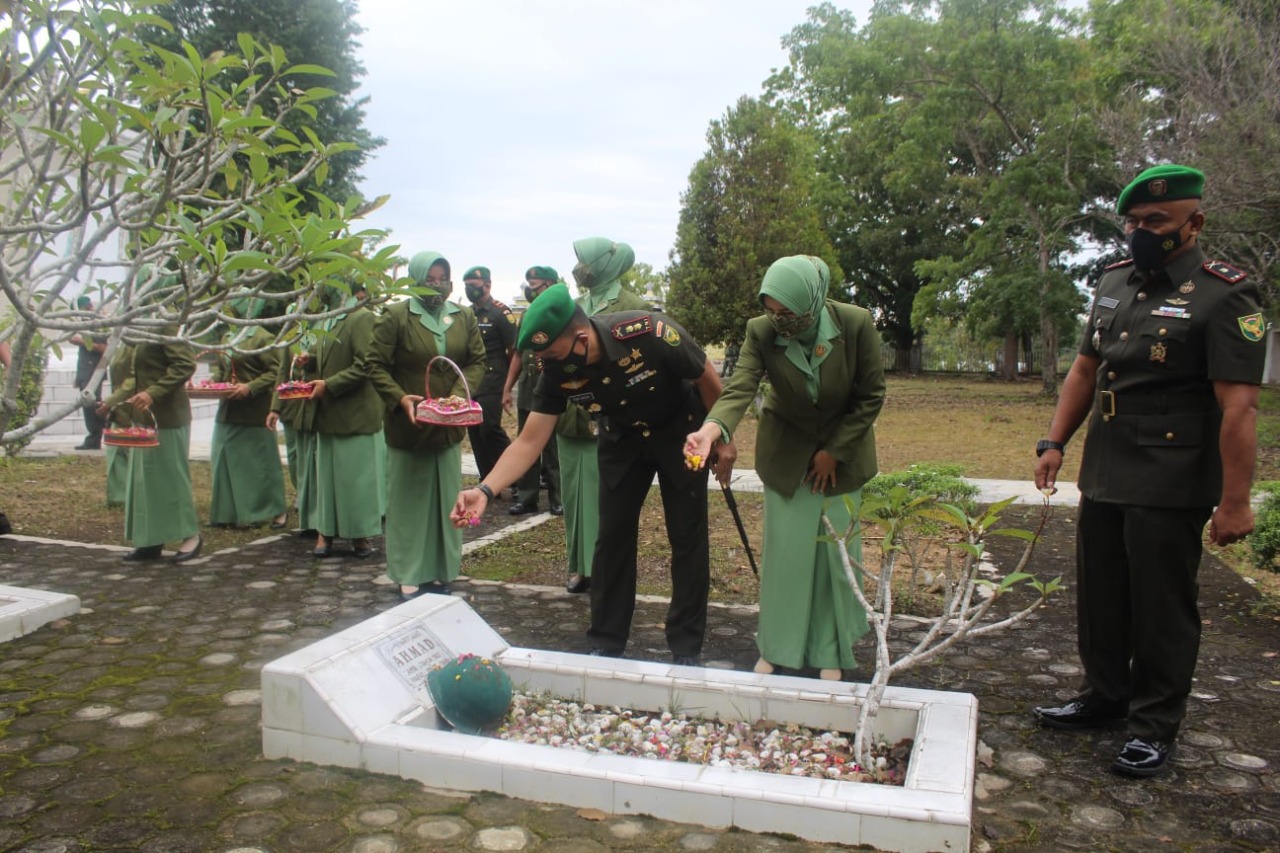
pixel 436 318
pixel 800 283
pixel 601 263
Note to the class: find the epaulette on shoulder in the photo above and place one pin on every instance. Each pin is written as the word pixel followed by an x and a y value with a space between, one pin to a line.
pixel 1225 271
pixel 1118 265
pixel 633 328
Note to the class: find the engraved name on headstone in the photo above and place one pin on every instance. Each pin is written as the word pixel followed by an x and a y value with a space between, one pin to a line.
pixel 411 653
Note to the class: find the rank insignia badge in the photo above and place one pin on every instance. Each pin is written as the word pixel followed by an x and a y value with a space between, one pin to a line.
pixel 632 328
pixel 1252 327
pixel 1159 352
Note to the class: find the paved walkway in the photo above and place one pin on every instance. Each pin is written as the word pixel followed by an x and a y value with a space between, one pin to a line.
pixel 134 725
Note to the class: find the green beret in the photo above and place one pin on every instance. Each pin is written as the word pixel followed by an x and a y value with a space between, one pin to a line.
pixel 481 273
pixel 543 273
pixel 546 318
pixel 1162 183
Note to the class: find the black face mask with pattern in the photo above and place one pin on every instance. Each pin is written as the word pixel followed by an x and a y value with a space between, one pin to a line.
pixel 584 276
pixel 1150 250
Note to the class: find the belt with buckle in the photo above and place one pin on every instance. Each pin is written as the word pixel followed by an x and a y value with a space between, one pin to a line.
pixel 1135 403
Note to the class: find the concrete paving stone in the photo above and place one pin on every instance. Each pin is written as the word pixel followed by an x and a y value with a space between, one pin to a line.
pixel 439 829
pixel 376 844
pixel 503 838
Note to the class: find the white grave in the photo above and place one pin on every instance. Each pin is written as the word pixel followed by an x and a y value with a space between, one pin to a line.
pixel 359 699
pixel 24 610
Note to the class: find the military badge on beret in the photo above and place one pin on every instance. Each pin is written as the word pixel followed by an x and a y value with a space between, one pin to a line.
pixel 1252 327
pixel 540 339
pixel 1158 188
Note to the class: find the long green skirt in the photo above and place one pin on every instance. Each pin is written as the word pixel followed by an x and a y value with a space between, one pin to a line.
pixel 291 454
pixel 422 487
pixel 580 491
pixel 808 613
pixel 380 439
pixel 348 500
pixel 248 481
pixel 117 474
pixel 304 442
pixel 158 505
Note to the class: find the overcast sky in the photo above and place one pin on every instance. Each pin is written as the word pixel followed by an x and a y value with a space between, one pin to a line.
pixel 515 127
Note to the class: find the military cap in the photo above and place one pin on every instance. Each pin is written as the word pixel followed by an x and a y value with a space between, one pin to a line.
pixel 481 273
pixel 1161 183
pixel 546 318
pixel 542 273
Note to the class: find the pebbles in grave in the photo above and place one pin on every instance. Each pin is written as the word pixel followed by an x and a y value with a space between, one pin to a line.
pixel 766 746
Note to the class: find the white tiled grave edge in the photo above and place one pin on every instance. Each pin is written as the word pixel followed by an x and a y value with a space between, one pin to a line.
pixel 24 610
pixel 359 699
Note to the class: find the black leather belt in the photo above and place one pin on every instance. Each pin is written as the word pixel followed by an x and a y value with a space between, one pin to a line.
pixel 1110 404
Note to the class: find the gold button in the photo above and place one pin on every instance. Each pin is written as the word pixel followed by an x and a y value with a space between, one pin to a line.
pixel 622 403
pixel 646 434
pixel 1111 374
pixel 606 380
pixel 1097 324
pixel 1141 296
pixel 1169 436
pixel 1164 331
pixel 1124 336
pixel 1106 417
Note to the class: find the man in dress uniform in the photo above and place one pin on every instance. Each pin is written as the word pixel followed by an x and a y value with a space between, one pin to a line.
pixel 498 329
pixel 1167 375
pixel 648 384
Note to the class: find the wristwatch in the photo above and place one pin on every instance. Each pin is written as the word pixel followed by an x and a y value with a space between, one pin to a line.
pixel 1045 444
pixel 488 492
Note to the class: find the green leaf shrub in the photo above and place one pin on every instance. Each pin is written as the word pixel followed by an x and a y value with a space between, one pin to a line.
pixel 1265 539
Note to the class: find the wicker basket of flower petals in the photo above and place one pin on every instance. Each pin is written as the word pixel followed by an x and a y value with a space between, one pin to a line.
pixel 294 389
pixel 207 389
pixel 134 435
pixel 452 410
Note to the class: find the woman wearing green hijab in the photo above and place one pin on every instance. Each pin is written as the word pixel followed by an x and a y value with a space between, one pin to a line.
pixel 814 446
pixel 424 463
pixel 244 459
pixel 601 264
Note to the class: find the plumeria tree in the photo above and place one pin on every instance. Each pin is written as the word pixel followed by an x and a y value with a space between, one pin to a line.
pixel 165 182
pixel 967 597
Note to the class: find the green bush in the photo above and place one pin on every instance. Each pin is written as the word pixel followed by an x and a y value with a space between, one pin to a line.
pixel 945 483
pixel 1265 539
pixel 30 390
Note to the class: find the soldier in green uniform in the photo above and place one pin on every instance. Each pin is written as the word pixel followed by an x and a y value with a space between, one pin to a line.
pixel 424 461
pixel 525 369
pixel 297 416
pixel 598 273
pixel 348 422
pixel 1167 376
pixel 647 384
pixel 158 504
pixel 244 459
pixel 498 330
pixel 118 372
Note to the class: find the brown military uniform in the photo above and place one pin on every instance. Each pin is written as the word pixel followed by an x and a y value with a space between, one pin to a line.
pixel 1152 472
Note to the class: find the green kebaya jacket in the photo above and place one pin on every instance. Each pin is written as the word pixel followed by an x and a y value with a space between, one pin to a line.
pixel 792 426
pixel 398 360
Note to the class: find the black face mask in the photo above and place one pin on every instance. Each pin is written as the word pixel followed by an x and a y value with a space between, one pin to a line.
pixel 475 292
pixel 530 294
pixel 574 361
pixel 1150 250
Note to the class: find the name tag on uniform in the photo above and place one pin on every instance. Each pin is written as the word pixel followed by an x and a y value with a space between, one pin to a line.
pixel 1107 302
pixel 1172 311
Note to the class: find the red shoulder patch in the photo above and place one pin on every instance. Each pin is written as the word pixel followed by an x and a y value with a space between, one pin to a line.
pixel 1225 271
pixel 1118 265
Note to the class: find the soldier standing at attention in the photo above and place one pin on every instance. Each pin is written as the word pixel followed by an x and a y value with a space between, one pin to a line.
pixel 648 384
pixel 498 329
pixel 1167 375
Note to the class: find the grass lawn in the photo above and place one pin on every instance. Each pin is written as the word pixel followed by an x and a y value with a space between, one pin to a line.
pixel 988 428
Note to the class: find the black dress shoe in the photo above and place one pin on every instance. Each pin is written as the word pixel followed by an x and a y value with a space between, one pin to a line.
pixel 578 584
pixel 140 555
pixel 183 556
pixel 361 549
pixel 1142 757
pixel 522 508
pixel 1080 713
pixel 686 660
pixel 557 509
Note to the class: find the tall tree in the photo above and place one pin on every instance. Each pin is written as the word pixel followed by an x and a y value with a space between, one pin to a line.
pixel 1198 82
pixel 749 202
pixel 312 32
